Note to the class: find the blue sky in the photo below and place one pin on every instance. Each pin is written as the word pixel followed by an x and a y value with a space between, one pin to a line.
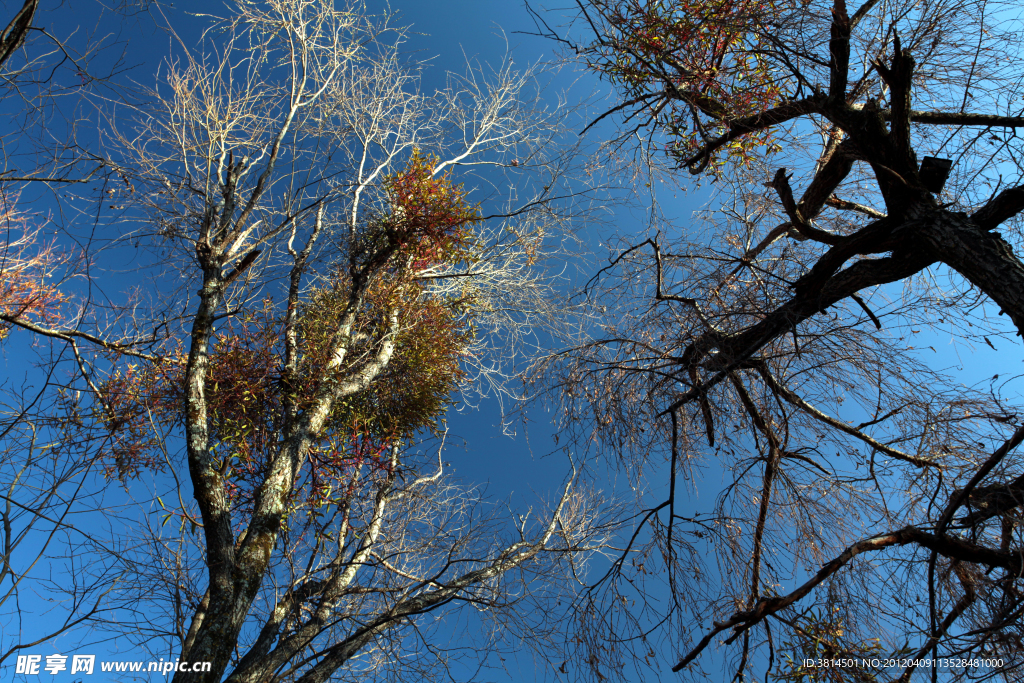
pixel 447 34
pixel 529 464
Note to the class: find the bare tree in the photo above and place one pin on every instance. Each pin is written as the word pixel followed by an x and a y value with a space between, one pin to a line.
pixel 324 256
pixel 47 76
pixel 56 513
pixel 786 336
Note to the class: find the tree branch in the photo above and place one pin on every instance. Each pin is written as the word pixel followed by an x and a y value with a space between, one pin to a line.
pixel 844 205
pixel 1000 208
pixel 839 52
pixel 792 398
pixel 952 118
pixel 780 183
pixel 13 36
pixel 749 124
pixel 953 548
pixel 736 349
pixel 69 335
pixel 899 77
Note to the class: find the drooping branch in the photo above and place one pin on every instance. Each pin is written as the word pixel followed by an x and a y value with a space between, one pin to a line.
pixel 705 407
pixel 953 548
pixel 736 349
pixel 961 606
pixel 749 124
pixel 779 389
pixel 864 307
pixel 771 466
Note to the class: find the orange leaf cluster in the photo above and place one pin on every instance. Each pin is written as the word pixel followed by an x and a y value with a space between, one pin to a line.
pixel 705 55
pixel 248 388
pixel 27 270
pixel 430 216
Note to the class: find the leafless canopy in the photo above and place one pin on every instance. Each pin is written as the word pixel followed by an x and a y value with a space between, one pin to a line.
pixel 787 337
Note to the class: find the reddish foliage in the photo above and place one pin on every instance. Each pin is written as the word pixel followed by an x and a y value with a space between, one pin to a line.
pixel 128 408
pixel 430 217
pixel 247 387
pixel 696 64
pixel 26 271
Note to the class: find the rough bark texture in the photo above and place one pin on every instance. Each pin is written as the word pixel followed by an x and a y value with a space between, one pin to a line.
pixel 982 257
